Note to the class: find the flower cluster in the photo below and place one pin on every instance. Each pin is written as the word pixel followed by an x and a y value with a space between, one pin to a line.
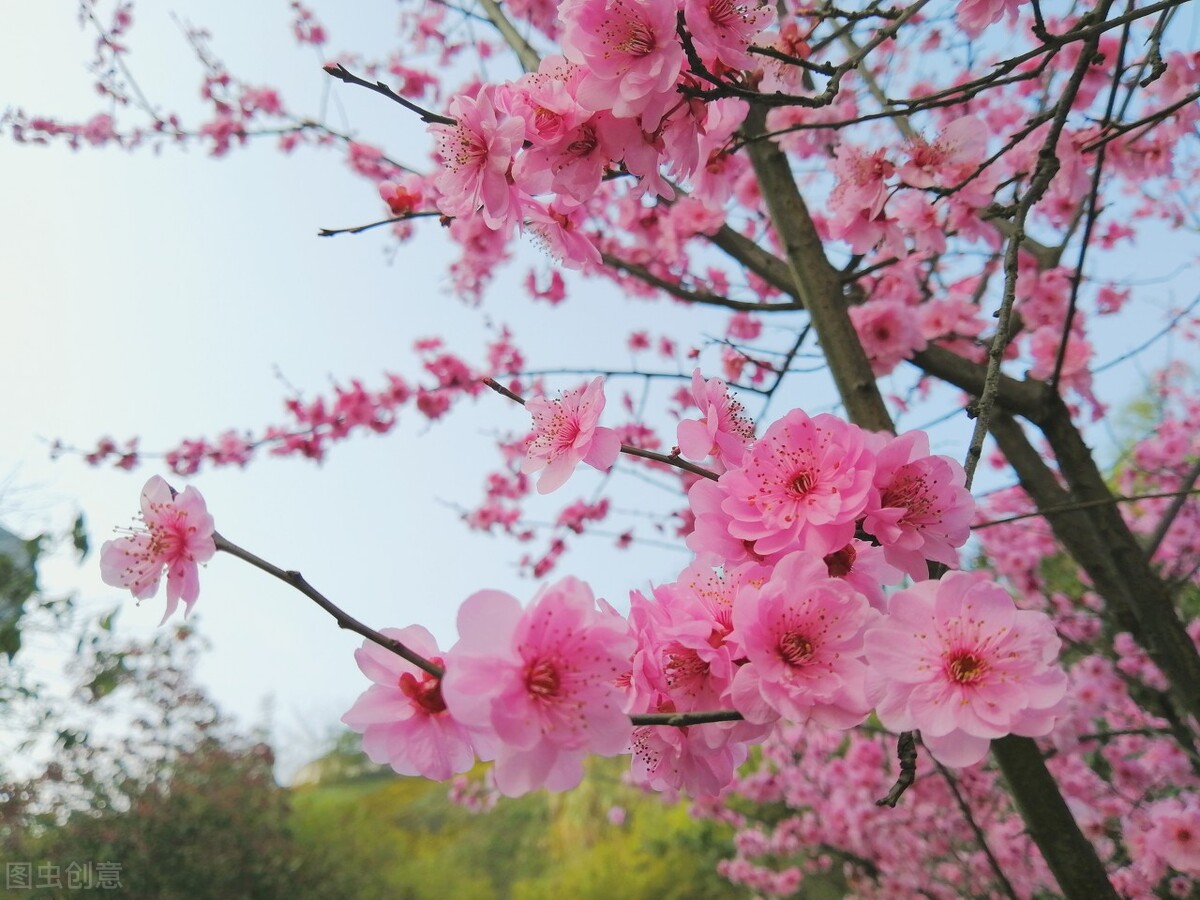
pixel 782 617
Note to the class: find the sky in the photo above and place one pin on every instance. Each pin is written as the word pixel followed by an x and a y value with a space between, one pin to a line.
pixel 166 295
pixel 171 295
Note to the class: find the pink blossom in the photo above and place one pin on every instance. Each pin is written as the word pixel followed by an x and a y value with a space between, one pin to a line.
pixel 956 659
pixel 802 633
pixel 1174 833
pixel 722 30
pixel 543 680
pixel 670 758
pixel 566 432
pixel 801 486
pixel 176 534
pixel 477 153
pixel 889 333
pixel 976 15
pixel 402 716
pixel 920 509
pixel 630 53
pixel 951 157
pixel 722 430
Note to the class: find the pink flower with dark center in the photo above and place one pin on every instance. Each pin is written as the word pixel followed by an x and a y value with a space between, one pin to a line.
pixel 566 432
pixel 402 716
pixel 801 486
pixel 176 534
pixel 956 659
pixel 920 509
pixel 542 680
pixel 889 332
pixel 802 634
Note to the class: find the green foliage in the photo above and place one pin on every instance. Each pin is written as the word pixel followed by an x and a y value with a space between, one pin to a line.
pixel 159 785
pixel 18 582
pixel 414 843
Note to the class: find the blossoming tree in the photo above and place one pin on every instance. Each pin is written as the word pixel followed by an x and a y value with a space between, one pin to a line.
pixel 914 193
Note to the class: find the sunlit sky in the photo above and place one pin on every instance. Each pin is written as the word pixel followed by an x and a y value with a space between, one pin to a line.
pixel 170 295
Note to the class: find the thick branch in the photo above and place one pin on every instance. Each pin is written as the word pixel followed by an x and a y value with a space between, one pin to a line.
pixel 816 283
pixel 1069 854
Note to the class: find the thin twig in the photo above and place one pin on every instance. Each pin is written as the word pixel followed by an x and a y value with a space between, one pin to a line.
pixel 337 70
pixel 344 619
pixel 359 229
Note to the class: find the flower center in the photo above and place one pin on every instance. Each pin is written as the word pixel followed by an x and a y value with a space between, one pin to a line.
pixel 795 649
pixel 541 679
pixel 841 563
pixel 723 12
pixel 802 482
pixel 639 39
pixel 967 668
pixel 684 667
pixel 426 693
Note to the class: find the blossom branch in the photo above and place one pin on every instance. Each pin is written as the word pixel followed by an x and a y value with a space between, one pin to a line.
pixel 670 459
pixel 344 619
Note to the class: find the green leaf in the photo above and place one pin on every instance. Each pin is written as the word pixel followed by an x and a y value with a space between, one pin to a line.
pixel 79 537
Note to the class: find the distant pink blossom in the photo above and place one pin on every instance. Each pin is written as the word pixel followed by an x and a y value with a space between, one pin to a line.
pixel 801 486
pixel 402 716
pixel 976 15
pixel 802 633
pixel 567 432
pixel 543 680
pixel 953 155
pixel 889 333
pixel 176 534
pixel 956 659
pixel 1174 832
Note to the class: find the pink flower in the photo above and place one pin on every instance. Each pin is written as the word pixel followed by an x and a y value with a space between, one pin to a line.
pixel 722 430
pixel 920 509
pixel 477 154
pixel 802 486
pixel 177 534
pixel 630 53
pixel 956 659
pixel 976 15
pixel 543 680
pixel 954 154
pixel 802 633
pixel 669 758
pixel 722 30
pixel 566 432
pixel 402 716
pixel 889 332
